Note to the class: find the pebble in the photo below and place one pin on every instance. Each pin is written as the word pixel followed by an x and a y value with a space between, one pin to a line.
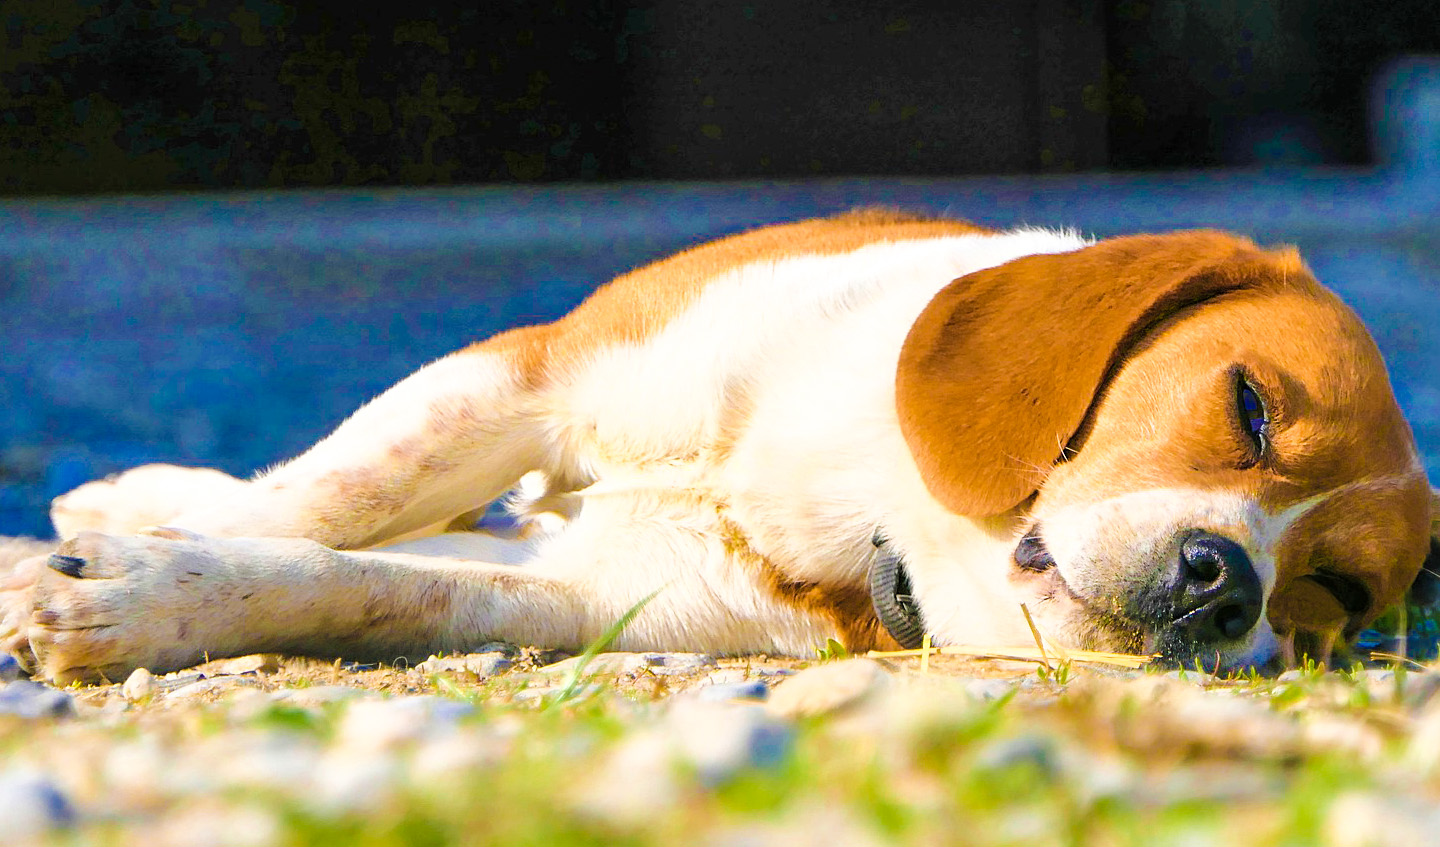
pixel 1366 819
pixel 725 692
pixel 989 688
pixel 213 684
pixel 349 781
pixel 1191 676
pixel 216 824
pixel 719 739
pixel 1038 751
pixel 1421 688
pixel 256 663
pixel 30 805
pixel 386 723
pixel 480 664
pixel 828 687
pixel 27 699
pixel 715 741
pixel 549 692
pixel 320 695
pixel 817 824
pixel 9 668
pixel 623 663
pixel 139 685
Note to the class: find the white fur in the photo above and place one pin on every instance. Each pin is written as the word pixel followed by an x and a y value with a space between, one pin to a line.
pixel 766 409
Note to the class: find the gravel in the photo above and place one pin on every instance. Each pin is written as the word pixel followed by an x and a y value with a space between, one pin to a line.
pixel 208 755
pixel 25 699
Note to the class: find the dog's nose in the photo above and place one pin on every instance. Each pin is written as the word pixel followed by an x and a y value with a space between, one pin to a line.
pixel 1217 595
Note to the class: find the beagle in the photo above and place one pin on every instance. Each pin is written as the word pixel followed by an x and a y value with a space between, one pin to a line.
pixel 866 427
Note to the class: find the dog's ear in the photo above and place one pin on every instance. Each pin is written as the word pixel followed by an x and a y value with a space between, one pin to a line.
pixel 1426 589
pixel 1001 368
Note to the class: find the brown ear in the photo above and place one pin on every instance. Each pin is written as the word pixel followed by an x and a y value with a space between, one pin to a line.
pixel 1000 369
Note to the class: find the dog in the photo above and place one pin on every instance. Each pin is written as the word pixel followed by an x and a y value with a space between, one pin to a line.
pixel 867 427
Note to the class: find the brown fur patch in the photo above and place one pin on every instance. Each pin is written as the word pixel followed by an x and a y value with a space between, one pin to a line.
pixel 846 605
pixel 639 304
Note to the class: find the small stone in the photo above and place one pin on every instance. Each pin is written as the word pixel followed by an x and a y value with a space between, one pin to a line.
pixel 508 650
pixel 1421 688
pixel 27 699
pixel 351 781
pixel 1191 676
pixel 1038 751
pixel 208 686
pixel 815 823
pixel 178 679
pixel 31 805
pixel 257 663
pixel 480 664
pixel 676 663
pixel 724 692
pixel 635 779
pixel 273 761
pixel 382 724
pixel 139 685
pixel 319 695
pixel 627 663
pixel 550 692
pixel 1366 819
pixel 720 739
pixel 9 668
pixel 1381 684
pixel 828 688
pixel 987 689
pixel 216 823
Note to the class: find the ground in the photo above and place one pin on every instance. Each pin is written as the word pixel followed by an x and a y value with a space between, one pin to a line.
pixel 526 747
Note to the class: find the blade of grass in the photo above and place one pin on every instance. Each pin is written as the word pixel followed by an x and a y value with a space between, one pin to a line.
pixel 1034 631
pixel 575 678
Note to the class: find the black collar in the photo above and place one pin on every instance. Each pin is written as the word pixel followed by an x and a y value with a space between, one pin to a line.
pixel 891 597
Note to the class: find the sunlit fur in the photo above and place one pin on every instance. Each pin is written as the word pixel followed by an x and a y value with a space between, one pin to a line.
pixel 724 428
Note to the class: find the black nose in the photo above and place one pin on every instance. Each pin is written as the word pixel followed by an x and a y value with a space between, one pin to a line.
pixel 1215 592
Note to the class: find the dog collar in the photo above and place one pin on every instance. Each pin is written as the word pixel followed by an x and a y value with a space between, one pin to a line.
pixel 890 594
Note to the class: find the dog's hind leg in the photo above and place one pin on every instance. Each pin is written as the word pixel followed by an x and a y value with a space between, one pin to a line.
pixel 446 440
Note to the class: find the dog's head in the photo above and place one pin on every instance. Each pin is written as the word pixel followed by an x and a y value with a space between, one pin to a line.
pixel 1196 442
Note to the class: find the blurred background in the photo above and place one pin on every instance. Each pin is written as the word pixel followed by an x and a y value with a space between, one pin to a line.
pixel 226 223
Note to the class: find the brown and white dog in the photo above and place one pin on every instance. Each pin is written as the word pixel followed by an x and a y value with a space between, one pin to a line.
pixel 1176 443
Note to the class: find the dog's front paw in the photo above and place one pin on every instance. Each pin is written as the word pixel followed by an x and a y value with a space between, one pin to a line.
pixel 101 606
pixel 17 601
pixel 139 497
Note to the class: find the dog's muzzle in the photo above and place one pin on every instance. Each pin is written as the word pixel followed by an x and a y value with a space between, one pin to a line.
pixel 1206 598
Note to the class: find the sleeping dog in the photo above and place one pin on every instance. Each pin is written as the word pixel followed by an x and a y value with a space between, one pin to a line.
pixel 866 427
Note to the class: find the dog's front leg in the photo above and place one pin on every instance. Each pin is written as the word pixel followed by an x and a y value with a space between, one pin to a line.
pixel 444 441
pixel 108 604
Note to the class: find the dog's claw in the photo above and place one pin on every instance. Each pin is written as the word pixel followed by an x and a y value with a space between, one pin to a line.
pixel 71 566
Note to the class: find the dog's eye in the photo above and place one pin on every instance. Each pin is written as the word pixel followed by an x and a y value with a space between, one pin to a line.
pixel 1350 593
pixel 1254 420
